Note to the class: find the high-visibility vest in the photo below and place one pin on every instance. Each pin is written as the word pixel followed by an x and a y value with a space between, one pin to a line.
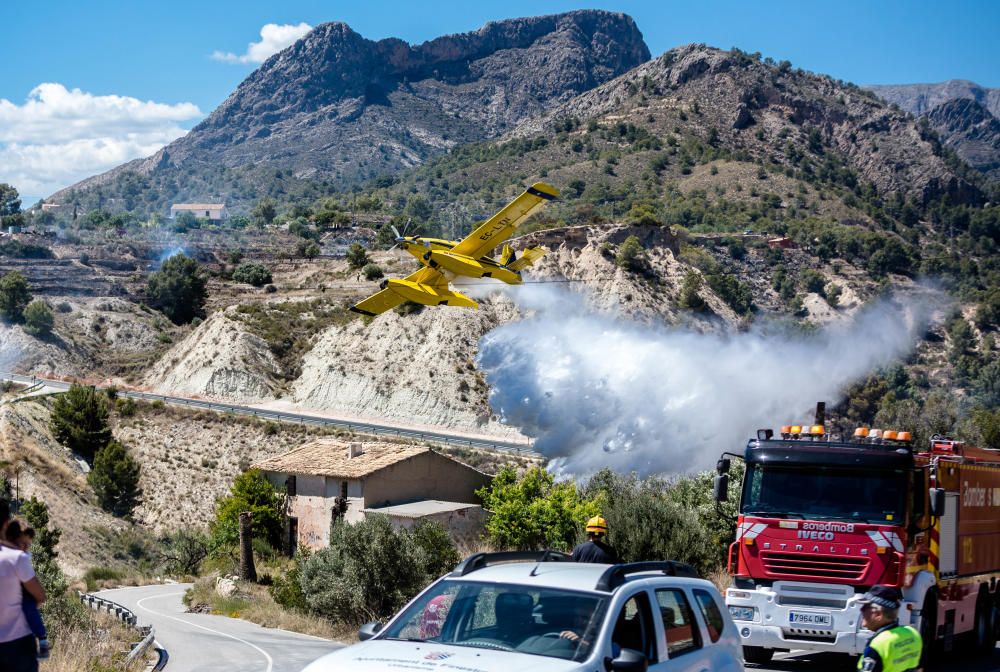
pixel 899 648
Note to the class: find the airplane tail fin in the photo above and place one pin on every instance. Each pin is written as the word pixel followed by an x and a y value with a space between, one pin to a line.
pixel 528 257
pixel 508 255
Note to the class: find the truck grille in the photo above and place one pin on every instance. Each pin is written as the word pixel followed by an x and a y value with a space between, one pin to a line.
pixel 811 566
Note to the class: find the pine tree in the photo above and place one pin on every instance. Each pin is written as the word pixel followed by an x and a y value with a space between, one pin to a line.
pixel 115 480
pixel 80 420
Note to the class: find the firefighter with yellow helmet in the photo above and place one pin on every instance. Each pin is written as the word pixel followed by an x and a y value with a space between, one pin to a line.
pixel 596 548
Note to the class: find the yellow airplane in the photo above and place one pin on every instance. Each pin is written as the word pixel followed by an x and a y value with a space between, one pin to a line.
pixel 444 260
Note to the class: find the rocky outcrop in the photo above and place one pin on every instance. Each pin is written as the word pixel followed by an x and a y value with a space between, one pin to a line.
pixel 338 107
pixel 920 99
pixel 972 131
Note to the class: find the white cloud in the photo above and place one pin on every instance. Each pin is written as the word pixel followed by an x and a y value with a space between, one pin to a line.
pixel 273 38
pixel 60 136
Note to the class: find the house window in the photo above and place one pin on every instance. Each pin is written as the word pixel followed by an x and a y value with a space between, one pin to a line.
pixel 290 485
pixel 292 541
pixel 207 213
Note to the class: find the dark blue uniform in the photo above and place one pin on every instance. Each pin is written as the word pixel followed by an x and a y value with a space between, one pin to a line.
pixel 595 551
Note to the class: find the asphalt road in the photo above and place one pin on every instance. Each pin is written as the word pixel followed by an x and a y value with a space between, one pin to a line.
pixel 300 418
pixel 800 661
pixel 206 643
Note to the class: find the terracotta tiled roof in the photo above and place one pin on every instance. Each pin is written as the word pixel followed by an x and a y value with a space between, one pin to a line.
pixel 197 206
pixel 328 457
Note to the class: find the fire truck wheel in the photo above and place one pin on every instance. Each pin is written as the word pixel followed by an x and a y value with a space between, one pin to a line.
pixel 984 631
pixel 757 655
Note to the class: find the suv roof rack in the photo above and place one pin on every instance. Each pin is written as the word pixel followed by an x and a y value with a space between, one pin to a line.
pixel 615 575
pixel 478 561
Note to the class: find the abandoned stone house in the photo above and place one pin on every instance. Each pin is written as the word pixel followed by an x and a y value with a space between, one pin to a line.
pixel 327 479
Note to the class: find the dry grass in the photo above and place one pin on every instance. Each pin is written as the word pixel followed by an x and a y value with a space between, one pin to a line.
pixel 254 603
pixel 100 645
pixel 720 577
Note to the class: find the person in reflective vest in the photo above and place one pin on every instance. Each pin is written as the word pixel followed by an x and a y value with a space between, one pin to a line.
pixel 893 648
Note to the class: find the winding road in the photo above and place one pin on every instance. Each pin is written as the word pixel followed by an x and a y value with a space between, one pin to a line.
pixel 475 441
pixel 206 643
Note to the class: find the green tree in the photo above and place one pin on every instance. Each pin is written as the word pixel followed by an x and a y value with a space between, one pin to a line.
pixel 372 272
pixel 632 256
pixel 257 275
pixel 357 257
pixel 370 569
pixel 115 480
pixel 10 206
pixel 307 249
pixel 254 493
pixel 533 511
pixel 15 294
pixel 644 524
pixel 418 208
pixel 264 212
pixel 178 289
pixel 690 298
pixel 79 420
pixel 38 318
pixel 987 424
pixel 36 512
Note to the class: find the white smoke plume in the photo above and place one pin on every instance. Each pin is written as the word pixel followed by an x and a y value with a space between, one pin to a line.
pixel 597 390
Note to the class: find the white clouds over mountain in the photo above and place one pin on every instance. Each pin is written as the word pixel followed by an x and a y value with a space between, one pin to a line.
pixel 273 38
pixel 60 136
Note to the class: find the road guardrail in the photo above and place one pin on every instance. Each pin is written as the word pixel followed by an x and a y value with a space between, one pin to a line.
pixel 128 617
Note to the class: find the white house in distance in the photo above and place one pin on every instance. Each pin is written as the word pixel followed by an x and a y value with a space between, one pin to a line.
pixel 212 211
pixel 404 482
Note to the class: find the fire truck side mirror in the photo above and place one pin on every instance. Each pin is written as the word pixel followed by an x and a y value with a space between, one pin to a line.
pixel 720 488
pixel 937 502
pixel 722 466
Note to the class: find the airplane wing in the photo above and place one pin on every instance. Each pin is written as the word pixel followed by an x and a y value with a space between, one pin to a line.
pixel 378 303
pixel 500 226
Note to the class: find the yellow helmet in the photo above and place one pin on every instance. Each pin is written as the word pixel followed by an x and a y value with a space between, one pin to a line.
pixel 597 525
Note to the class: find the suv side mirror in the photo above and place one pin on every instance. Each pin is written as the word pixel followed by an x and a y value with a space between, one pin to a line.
pixel 937 501
pixel 722 466
pixel 369 630
pixel 720 488
pixel 629 660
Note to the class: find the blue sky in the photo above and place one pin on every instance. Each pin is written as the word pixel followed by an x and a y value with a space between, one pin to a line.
pixel 146 72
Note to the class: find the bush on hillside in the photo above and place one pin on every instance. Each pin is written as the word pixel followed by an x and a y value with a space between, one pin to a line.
pixel 257 275
pixel 357 257
pixel 79 420
pixel 38 318
pixel 15 294
pixel 115 480
pixel 632 256
pixel 372 272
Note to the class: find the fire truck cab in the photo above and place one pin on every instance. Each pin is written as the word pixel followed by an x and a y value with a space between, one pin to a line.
pixel 823 518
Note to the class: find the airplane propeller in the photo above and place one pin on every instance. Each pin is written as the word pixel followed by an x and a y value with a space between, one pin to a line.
pixel 400 238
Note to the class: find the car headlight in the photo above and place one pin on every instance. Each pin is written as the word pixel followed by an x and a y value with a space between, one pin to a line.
pixel 742 613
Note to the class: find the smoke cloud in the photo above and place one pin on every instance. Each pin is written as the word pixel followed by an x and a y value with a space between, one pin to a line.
pixel 597 390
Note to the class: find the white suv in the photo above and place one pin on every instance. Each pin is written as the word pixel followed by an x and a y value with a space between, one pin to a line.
pixel 520 612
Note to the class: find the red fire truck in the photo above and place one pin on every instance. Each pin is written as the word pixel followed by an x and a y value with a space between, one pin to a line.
pixel 823 518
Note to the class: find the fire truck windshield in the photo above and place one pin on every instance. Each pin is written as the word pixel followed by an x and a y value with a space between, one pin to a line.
pixel 833 493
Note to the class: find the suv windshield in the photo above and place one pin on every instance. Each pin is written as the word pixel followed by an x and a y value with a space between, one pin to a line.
pixel 538 621
pixel 832 493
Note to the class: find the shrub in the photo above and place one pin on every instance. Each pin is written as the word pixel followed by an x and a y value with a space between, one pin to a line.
pixel 689 292
pixel 357 257
pixel 115 480
pixel 178 289
pixel 38 318
pixel 79 420
pixel 372 272
pixel 631 255
pixel 254 493
pixel 257 275
pixel 183 551
pixel 370 569
pixel 533 511
pixel 15 294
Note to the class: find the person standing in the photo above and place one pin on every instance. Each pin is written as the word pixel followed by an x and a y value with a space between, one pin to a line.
pixel 893 647
pixel 17 643
pixel 596 548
